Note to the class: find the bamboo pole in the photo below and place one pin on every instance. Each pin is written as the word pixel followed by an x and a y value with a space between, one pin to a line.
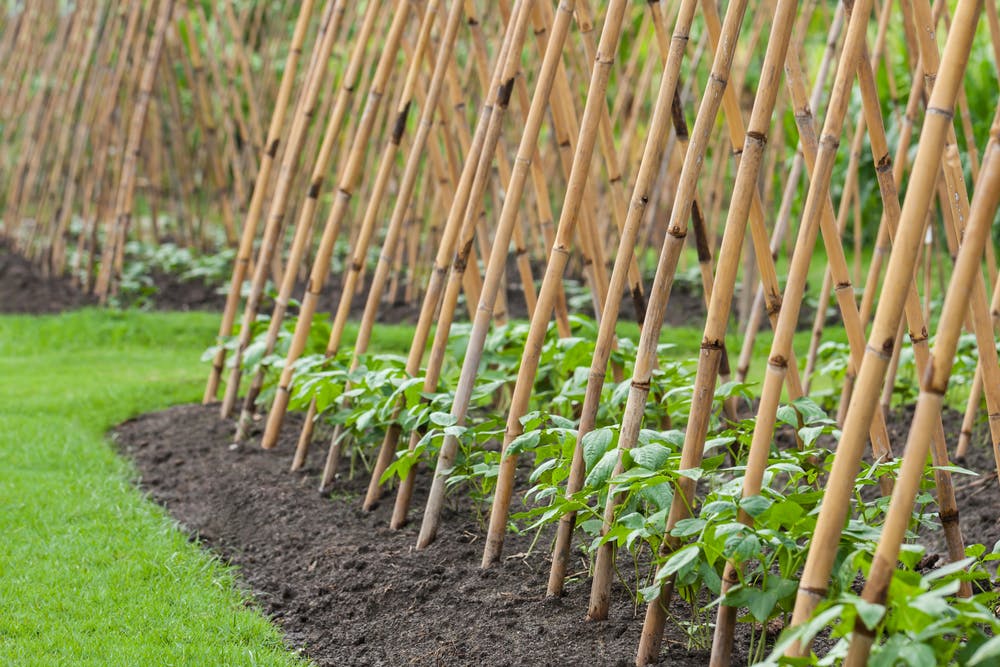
pixel 271 239
pixel 763 431
pixel 459 219
pixel 442 66
pixel 575 193
pixel 976 392
pixel 494 268
pixel 819 562
pixel 126 187
pixel 249 233
pixel 967 278
pixel 717 94
pixel 508 219
pixel 303 229
pixel 667 102
pixel 736 223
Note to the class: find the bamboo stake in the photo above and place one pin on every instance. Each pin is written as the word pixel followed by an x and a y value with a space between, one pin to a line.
pixel 307 214
pixel 442 66
pixel 459 218
pixel 667 102
pixel 967 278
pixel 839 273
pixel 519 22
pixel 572 209
pixel 715 327
pixel 514 191
pixel 716 94
pixel 271 239
pixel 126 187
pixel 976 392
pixel 245 250
pixel 899 274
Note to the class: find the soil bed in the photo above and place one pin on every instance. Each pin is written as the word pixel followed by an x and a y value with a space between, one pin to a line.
pixel 348 590
pixel 24 290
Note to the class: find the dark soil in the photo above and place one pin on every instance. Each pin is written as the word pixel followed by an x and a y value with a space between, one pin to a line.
pixel 348 590
pixel 24 290
pixel 978 497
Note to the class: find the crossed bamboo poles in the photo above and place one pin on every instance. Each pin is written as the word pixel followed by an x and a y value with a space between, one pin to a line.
pixel 468 179
pixel 97 124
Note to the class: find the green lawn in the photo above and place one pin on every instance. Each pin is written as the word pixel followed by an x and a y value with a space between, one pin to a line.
pixel 91 573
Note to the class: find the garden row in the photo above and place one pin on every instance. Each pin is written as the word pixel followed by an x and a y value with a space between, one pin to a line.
pixel 504 137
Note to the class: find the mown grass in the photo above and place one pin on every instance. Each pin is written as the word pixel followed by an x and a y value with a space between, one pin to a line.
pixel 91 573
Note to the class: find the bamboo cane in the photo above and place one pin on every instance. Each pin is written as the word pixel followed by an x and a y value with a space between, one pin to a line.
pixel 732 242
pixel 519 22
pixel 508 218
pixel 849 195
pixel 967 278
pixel 438 79
pixel 126 187
pixel 976 392
pixel 667 102
pixel 600 590
pixel 307 214
pixel 457 220
pixel 245 250
pixel 560 254
pixel 819 561
pixel 271 239
pixel 78 112
pixel 781 226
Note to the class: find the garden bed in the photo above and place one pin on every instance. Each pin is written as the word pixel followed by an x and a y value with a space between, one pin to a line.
pixel 24 290
pixel 348 590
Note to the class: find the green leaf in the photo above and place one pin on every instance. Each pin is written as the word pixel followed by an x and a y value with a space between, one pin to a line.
pixel 688 527
pixel 918 655
pixel 595 444
pixel 987 654
pixel 869 612
pixel 652 456
pixel 443 419
pixel 600 473
pixel 755 505
pixel 522 442
pixel 950 568
pixel 761 604
pixel 809 434
pixel 562 422
pixel 680 559
pixel 619 394
pixel 788 415
pixel 811 413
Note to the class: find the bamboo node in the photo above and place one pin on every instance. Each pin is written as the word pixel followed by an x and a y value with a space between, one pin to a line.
pixel 813 592
pixel 758 137
pixel 504 92
pixel 400 126
pixel 948 517
pixel 948 114
pixel 707 344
